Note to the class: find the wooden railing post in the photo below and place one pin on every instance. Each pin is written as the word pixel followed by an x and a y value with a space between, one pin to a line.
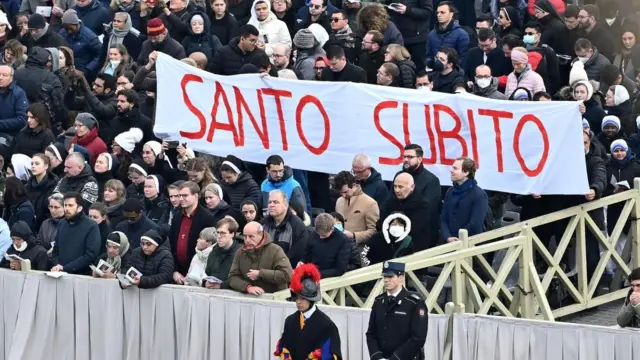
pixel 524 280
pixel 634 230
pixel 463 235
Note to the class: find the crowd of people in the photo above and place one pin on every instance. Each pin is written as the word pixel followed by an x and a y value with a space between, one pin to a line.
pixel 86 180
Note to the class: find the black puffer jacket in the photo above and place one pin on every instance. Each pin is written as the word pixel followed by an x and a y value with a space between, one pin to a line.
pixel 245 188
pixel 623 170
pixel 229 59
pixel 222 210
pixel 84 183
pixel 35 253
pixel 204 42
pixel 156 268
pixel 407 74
pixel 39 193
pixel 32 141
pixel 42 85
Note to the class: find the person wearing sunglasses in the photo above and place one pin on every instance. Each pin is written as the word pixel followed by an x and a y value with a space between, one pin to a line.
pixel 316 13
pixel 342 35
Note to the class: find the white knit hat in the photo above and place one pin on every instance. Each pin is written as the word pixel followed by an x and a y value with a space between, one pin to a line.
pixel 128 139
pixel 5 20
pixel 577 73
pixel 611 120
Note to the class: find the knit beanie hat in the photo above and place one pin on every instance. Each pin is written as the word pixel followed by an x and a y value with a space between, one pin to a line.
pixel 140 166
pixel 36 21
pixel 155 146
pixel 117 238
pixel 70 17
pixel 619 144
pixel 128 139
pixel 577 73
pixel 87 120
pixel 21 230
pixel 82 150
pixel 197 17
pixel 521 94
pixel 155 27
pixel 4 20
pixel 304 39
pixel 58 150
pixel 611 120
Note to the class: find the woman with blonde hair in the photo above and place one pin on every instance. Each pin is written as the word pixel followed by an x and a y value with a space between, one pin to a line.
pixel 13 54
pixel 374 16
pixel 198 172
pixel 399 55
pixel 114 197
pixel 117 61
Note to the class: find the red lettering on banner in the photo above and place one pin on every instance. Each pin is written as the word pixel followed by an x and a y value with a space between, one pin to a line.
pixel 405 123
pixel 474 138
pixel 241 103
pixel 277 94
pixel 194 110
pixel 497 115
pixel 432 140
pixel 449 134
pixel 545 140
pixel 220 93
pixel 309 99
pixel 376 120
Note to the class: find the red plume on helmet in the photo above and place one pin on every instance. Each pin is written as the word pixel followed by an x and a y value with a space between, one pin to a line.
pixel 302 272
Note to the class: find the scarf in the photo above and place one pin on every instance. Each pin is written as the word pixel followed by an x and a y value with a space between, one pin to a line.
pixel 126 8
pixel 40 33
pixel 203 255
pixel 116 261
pixel 343 34
pixel 112 208
pixel 117 35
pixel 460 189
pixel 246 247
pixel 521 75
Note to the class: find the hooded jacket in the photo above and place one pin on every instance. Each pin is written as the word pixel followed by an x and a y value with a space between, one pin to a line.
pixel 272 30
pixel 490 91
pixel 452 36
pixel 229 59
pixel 306 60
pixel 94 145
pixel 39 193
pixel 291 235
pixel 13 109
pixel 77 244
pixel 290 186
pixel 84 183
pixel 275 268
pixel 86 49
pixel 623 110
pixel 35 253
pixel 204 42
pixel 94 16
pixel 156 268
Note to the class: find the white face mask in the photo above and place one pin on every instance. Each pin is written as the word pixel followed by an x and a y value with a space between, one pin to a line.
pixel 114 63
pixel 610 21
pixel 22 247
pixel 583 59
pixel 483 83
pixel 396 230
pixel 424 88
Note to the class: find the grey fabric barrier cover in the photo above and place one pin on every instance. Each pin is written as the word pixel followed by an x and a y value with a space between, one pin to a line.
pixel 81 318
pixel 497 338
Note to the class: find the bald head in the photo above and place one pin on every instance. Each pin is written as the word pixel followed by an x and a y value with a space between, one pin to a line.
pixel 281 53
pixel 483 71
pixel 403 185
pixel 200 59
pixel 253 234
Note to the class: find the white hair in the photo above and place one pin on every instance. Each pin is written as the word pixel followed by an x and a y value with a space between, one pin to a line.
pixel 362 159
pixel 287 74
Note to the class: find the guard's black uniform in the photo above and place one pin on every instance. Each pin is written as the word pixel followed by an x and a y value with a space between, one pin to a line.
pixel 397 327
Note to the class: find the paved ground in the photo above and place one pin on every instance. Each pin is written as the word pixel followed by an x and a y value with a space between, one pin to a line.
pixel 604 315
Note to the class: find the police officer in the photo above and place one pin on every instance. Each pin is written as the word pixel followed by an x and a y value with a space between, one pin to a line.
pixel 399 320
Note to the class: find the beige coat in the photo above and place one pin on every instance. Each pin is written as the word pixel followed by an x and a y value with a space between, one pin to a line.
pixel 361 213
pixel 270 259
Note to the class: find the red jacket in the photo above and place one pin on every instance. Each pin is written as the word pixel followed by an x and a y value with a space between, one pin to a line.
pixel 94 145
pixel 558 4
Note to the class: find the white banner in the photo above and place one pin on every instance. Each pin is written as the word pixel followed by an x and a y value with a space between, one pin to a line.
pixel 520 147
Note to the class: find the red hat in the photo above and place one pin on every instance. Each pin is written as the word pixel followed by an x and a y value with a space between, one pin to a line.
pixel 155 27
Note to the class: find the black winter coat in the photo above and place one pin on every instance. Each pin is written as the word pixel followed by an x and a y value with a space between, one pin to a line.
pixel 375 187
pixel 330 255
pixel 414 24
pixel 157 210
pixel 32 141
pixel 229 59
pixel 39 193
pixel 445 83
pixel 177 23
pixel 222 210
pixel 226 28
pixel 245 188
pixel 556 35
pixel 606 142
pixel 102 179
pixel 50 39
pixel 350 73
pixel 77 244
pixel 594 114
pixel 84 183
pixel 624 112
pixel 170 47
pixel 115 214
pixel 241 10
pixel 603 40
pixel 370 63
pixel 625 170
pixel 201 219
pixel 125 121
pixel 407 74
pixel 135 191
pixel 94 16
pixel 20 212
pixel 136 230
pixel 156 269
pixel 35 253
pixel 204 42
pixel 500 64
pixel 104 107
pixel 47 233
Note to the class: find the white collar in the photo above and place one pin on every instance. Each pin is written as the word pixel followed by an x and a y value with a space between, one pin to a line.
pixel 396 293
pixel 309 312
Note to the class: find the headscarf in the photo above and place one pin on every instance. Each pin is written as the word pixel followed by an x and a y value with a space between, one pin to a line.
pixel 116 261
pixel 117 35
pixel 620 94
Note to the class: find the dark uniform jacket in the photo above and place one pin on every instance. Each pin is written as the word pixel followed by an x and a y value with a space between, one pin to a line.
pixel 397 327
pixel 318 333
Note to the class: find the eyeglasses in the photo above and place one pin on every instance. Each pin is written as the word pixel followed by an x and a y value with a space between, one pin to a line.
pixel 222 233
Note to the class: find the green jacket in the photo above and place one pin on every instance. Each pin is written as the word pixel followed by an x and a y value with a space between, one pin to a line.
pixel 219 262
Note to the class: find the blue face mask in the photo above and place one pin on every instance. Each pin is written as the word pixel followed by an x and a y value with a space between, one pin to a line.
pixel 338 226
pixel 529 39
